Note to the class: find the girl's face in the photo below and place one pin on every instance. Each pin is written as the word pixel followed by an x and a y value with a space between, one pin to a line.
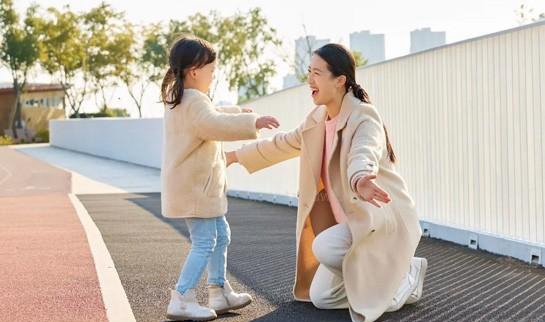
pixel 201 78
pixel 324 85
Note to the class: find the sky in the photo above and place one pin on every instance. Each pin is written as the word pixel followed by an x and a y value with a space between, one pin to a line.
pixel 460 19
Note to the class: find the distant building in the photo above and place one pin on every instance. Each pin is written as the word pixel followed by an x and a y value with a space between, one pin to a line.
pixel 422 39
pixel 370 46
pixel 304 46
pixel 39 104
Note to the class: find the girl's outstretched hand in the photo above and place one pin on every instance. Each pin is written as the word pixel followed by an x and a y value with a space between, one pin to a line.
pixel 269 122
pixel 369 191
pixel 231 157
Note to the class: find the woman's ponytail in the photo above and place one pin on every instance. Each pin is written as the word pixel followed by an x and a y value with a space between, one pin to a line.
pixel 360 93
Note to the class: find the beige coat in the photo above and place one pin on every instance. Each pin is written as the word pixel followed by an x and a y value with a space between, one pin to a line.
pixel 193 179
pixel 384 239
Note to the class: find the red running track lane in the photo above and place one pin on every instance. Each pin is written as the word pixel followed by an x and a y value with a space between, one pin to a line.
pixel 47 271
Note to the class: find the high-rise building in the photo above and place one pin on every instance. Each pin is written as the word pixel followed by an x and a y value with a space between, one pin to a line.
pixel 422 39
pixel 370 46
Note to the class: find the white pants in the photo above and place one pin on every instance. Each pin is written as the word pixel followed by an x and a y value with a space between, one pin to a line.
pixel 330 246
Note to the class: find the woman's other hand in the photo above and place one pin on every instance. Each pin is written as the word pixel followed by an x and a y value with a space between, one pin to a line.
pixel 369 191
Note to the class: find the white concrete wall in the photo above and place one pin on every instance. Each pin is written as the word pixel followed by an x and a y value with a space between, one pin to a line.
pixel 290 107
pixel 467 122
pixel 137 141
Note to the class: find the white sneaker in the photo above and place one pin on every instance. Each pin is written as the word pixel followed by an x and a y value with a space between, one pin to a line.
pixel 417 293
pixel 224 299
pixel 411 285
pixel 184 307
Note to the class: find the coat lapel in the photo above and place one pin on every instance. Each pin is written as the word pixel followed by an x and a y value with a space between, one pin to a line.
pixel 346 110
pixel 347 106
pixel 313 138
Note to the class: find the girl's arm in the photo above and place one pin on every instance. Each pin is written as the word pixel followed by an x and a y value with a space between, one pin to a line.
pixel 265 153
pixel 209 124
pixel 229 109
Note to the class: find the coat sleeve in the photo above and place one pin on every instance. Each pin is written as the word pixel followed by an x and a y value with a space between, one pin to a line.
pixel 229 109
pixel 265 153
pixel 366 149
pixel 209 124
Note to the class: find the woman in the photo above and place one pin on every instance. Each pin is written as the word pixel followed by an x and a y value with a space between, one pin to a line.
pixel 357 228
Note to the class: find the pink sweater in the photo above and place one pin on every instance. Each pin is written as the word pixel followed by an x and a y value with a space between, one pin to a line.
pixel 330 131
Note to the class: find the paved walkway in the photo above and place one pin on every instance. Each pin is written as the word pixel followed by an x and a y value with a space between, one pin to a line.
pixel 462 284
pixel 53 272
pixel 46 268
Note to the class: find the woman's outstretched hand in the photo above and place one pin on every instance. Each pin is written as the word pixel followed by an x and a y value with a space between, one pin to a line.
pixel 231 157
pixel 369 191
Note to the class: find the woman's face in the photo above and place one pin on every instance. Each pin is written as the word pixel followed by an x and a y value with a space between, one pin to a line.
pixel 323 84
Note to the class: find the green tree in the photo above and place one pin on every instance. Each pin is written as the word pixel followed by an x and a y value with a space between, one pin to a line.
pixel 247 67
pixel 62 53
pixel 241 40
pixel 18 52
pixel 125 64
pixel 146 64
pixel 360 60
pixel 109 41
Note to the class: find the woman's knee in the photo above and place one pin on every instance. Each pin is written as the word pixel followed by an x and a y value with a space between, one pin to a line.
pixel 330 246
pixel 326 253
pixel 319 248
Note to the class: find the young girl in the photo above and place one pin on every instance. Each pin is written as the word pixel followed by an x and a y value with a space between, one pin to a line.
pixel 193 175
pixel 357 226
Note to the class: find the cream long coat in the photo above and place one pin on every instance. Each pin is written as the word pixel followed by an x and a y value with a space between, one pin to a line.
pixel 384 239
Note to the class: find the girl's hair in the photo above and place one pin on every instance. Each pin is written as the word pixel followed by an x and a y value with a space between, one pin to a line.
pixel 186 52
pixel 340 61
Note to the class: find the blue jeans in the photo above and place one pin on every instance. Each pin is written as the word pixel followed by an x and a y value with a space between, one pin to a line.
pixel 209 240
